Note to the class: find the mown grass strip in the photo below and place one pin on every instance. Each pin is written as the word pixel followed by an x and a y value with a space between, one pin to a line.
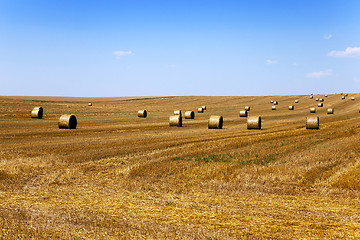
pixel 120 100
pixel 237 158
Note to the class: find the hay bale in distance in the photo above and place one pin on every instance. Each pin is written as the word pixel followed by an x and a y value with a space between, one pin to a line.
pixel 215 122
pixel 90 104
pixel 343 97
pixel 330 111
pixel 341 93
pixel 326 95
pixel 37 112
pixel 271 101
pixel 177 112
pixel 296 101
pixel 320 104
pixel 276 102
pixel 204 107
pixel 291 107
pixel 243 113
pixel 316 99
pixel 312 122
pixel 254 122
pixel 142 113
pixel 175 121
pixel 247 108
pixel 200 110
pixel 311 97
pixel 353 98
pixel 346 94
pixel 312 110
pixel 189 115
pixel 67 121
pixel 321 100
pixel 273 108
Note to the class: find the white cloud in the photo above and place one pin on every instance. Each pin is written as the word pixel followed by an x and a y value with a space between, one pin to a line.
pixel 327 37
pixel 268 61
pixel 319 74
pixel 120 54
pixel 350 52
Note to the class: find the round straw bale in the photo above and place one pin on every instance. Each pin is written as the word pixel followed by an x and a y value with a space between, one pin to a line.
pixel 254 122
pixel 316 99
pixel 341 93
pixel 343 97
pixel 89 104
pixel 311 97
pixel 189 115
pixel 142 113
pixel 247 108
pixel 276 102
pixel 215 122
pixel 321 100
pixel 243 113
pixel 346 94
pixel 291 107
pixel 311 94
pixel 200 110
pixel 353 98
pixel 271 101
pixel 273 108
pixel 177 112
pixel 37 112
pixel 312 110
pixel 175 121
pixel 330 111
pixel 312 122
pixel 320 104
pixel 67 121
pixel 296 101
pixel 204 107
pixel 326 95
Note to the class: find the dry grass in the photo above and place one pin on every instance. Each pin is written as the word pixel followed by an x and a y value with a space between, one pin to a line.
pixel 118 176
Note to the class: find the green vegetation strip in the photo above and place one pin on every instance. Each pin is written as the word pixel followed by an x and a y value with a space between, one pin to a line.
pixel 236 158
pixel 120 100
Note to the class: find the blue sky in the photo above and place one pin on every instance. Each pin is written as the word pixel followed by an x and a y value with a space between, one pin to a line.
pixel 198 47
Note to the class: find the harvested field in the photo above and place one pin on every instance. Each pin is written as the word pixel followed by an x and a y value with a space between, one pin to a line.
pixel 120 176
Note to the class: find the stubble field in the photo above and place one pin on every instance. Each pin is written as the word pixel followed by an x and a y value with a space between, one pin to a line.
pixel 120 176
